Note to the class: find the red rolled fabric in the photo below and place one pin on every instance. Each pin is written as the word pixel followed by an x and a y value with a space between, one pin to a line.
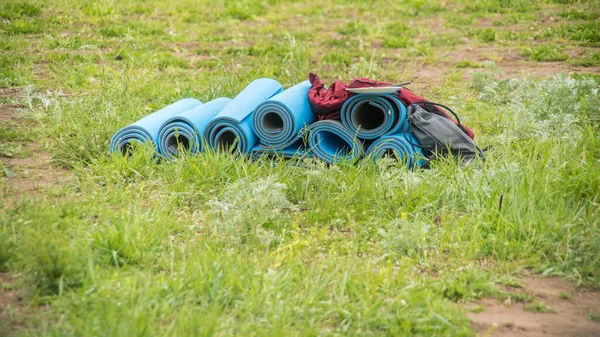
pixel 327 102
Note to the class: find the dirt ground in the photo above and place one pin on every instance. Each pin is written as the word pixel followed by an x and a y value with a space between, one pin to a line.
pixel 33 172
pixel 508 61
pixel 571 316
pixel 11 304
pixel 499 319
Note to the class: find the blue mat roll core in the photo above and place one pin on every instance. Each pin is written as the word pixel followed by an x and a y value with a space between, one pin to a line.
pixel 146 129
pixel 279 120
pixel 398 145
pixel 187 128
pixel 373 116
pixel 330 141
pixel 232 127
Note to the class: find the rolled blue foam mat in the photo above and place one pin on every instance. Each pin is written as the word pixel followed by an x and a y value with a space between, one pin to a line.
pixel 146 129
pixel 187 129
pixel 330 141
pixel 373 116
pixel 293 151
pixel 402 146
pixel 232 127
pixel 279 120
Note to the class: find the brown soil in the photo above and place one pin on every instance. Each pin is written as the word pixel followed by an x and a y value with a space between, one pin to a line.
pixel 7 113
pixel 508 61
pixel 33 172
pixel 500 319
pixel 15 304
pixel 572 316
pixel 11 304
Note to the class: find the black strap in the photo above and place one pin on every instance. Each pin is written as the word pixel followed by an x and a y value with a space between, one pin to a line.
pixel 458 123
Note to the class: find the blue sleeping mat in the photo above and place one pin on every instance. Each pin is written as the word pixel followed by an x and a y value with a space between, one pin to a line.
pixel 279 120
pixel 146 129
pixel 187 129
pixel 330 141
pixel 372 116
pixel 402 146
pixel 231 129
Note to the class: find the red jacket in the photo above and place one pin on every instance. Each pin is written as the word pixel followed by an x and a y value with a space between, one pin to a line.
pixel 327 102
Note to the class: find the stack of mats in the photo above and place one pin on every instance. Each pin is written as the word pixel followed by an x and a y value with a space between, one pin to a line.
pixel 264 120
pixel 186 129
pixel 382 120
pixel 147 128
pixel 280 123
pixel 231 129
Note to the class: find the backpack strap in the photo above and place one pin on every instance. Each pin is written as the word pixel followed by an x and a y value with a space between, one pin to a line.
pixel 424 105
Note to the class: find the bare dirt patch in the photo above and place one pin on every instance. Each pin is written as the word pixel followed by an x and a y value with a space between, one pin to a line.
pixel 508 62
pixel 9 92
pixel 571 316
pixel 11 304
pixel 33 172
pixel 15 304
pixel 7 112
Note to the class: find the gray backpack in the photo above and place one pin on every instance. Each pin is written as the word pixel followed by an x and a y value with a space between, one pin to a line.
pixel 440 136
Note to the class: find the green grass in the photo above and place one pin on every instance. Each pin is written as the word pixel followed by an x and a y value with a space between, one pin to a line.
pixel 586 34
pixel 510 281
pixel 477 309
pixel 538 307
pixel 589 59
pixel 15 10
pixel 545 53
pixel 564 295
pixel 220 245
pixel 468 64
pixel 510 297
pixel 486 35
pixel 14 69
pixel 579 13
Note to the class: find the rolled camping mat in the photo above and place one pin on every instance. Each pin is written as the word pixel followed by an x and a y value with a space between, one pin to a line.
pixel 146 129
pixel 373 116
pixel 294 151
pixel 232 127
pixel 279 120
pixel 330 141
pixel 401 146
pixel 187 129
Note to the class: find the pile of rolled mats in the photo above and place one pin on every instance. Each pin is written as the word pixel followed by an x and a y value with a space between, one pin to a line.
pixel 307 120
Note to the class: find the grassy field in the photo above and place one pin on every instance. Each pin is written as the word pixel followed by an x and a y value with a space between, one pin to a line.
pixel 96 245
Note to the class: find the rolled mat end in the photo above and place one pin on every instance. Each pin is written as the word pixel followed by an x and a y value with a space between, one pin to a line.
pixel 330 141
pixel 147 128
pixel 373 116
pixel 186 130
pixel 232 129
pixel 402 146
